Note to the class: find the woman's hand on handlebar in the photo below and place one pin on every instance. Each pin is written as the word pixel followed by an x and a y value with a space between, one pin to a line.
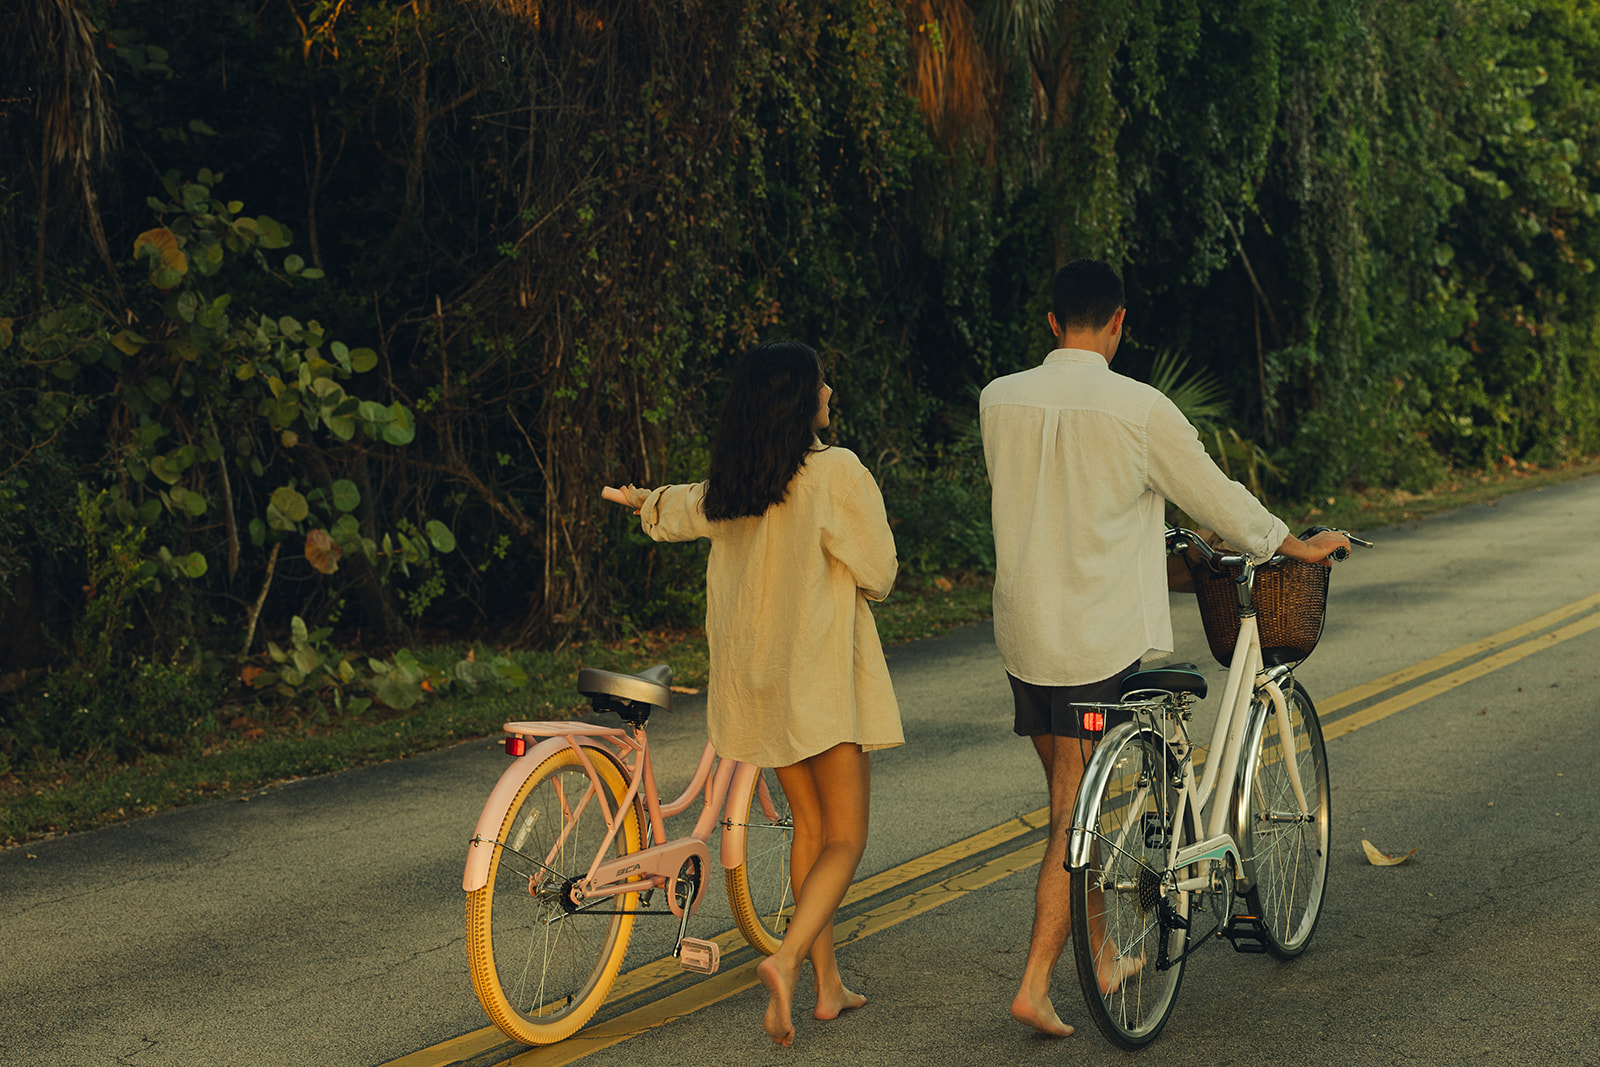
pixel 629 496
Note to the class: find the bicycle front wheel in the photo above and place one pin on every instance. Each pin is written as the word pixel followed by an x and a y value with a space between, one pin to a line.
pixel 1289 846
pixel 1126 922
pixel 760 890
pixel 541 963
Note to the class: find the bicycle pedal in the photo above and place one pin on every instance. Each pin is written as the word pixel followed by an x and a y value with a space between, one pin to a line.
pixel 697 955
pixel 1246 933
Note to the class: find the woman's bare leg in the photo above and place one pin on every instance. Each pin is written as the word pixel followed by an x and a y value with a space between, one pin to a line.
pixel 828 795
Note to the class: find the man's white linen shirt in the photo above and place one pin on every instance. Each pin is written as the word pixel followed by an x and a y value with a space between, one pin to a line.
pixel 1080 461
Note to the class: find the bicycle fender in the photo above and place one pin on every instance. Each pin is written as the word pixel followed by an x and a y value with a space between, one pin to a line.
pixel 1239 811
pixel 480 849
pixel 1086 809
pixel 734 826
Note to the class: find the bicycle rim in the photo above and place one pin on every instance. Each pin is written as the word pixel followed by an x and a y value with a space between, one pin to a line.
pixel 1288 848
pixel 541 968
pixel 1118 937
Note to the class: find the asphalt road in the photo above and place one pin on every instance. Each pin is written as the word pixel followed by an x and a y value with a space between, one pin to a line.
pixel 321 922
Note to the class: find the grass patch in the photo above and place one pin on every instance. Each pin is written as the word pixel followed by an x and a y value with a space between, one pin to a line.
pixel 254 750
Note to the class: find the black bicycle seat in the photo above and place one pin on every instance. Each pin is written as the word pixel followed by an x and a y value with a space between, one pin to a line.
pixel 629 695
pixel 1177 678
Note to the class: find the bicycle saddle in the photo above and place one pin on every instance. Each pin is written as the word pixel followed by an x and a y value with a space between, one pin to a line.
pixel 623 693
pixel 1178 678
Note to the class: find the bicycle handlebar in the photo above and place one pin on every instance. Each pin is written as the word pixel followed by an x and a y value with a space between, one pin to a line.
pixel 1339 555
pixel 1180 539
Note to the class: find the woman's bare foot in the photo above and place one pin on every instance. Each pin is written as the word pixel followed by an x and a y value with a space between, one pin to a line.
pixel 777 1022
pixel 1041 1015
pixel 832 1004
pixel 1112 971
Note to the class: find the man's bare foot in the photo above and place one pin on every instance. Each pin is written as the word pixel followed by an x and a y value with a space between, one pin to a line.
pixel 1112 971
pixel 832 1004
pixel 780 994
pixel 1040 1015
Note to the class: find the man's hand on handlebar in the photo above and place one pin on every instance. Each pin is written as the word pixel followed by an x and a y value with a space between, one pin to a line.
pixel 1321 545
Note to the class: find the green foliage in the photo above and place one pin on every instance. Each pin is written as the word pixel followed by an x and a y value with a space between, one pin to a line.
pixel 108 702
pixel 539 241
pixel 940 517
pixel 223 426
pixel 312 673
pixel 142 707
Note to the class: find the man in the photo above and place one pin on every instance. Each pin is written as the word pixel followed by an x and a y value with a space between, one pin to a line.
pixel 1081 461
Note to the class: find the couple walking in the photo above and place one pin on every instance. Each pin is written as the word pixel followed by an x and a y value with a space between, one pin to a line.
pixel 1080 460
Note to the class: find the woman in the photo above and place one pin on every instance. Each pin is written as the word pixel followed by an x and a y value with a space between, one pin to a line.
pixel 799 544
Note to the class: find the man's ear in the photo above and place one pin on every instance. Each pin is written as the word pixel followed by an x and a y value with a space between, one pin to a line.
pixel 1055 327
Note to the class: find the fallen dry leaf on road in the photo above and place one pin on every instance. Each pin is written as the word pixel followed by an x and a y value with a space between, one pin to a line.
pixel 1383 859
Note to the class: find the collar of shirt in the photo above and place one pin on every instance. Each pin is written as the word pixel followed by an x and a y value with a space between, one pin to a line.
pixel 1077 355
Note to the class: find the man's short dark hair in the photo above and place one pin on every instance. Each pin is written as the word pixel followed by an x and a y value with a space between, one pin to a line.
pixel 1085 294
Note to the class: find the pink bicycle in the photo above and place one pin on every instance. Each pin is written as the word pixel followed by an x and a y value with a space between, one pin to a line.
pixel 571 847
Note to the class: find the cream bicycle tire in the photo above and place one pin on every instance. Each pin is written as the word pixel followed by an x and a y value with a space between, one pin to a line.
pixel 1289 858
pixel 760 891
pixel 1115 897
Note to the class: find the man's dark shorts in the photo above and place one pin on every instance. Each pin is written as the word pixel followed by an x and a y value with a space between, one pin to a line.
pixel 1047 709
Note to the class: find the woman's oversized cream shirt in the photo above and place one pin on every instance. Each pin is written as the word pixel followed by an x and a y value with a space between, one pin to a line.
pixel 796 666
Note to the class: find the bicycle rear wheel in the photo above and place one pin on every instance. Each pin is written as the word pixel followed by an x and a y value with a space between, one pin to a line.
pixel 540 965
pixel 1289 848
pixel 760 891
pixel 1129 960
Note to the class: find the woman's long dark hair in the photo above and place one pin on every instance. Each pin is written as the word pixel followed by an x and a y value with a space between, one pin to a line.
pixel 766 429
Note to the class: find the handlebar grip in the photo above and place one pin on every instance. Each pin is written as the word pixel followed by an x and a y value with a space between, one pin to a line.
pixel 1339 555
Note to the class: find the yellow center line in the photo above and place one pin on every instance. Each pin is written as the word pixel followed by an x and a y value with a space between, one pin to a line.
pixel 1455 655
pixel 1450 681
pixel 721 986
pixel 737 979
pixel 654 973
pixel 643 977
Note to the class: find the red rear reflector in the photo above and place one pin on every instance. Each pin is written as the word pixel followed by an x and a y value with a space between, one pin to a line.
pixel 1094 721
pixel 516 746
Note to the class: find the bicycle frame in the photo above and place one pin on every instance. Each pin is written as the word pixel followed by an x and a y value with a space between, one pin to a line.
pixel 1159 848
pixel 1218 825
pixel 655 866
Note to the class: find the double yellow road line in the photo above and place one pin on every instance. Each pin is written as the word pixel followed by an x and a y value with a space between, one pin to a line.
pixel 1546 638
pixel 1499 650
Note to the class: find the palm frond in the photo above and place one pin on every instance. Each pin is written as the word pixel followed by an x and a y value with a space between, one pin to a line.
pixel 1198 395
pixel 54 45
pixel 953 82
pixel 1019 26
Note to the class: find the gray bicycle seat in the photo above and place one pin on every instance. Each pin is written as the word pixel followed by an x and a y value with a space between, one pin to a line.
pixel 612 691
pixel 1178 678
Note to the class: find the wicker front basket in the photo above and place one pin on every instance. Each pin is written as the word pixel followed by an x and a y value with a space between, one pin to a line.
pixel 1290 601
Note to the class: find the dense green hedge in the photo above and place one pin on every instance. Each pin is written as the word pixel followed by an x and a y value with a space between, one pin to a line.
pixel 344 311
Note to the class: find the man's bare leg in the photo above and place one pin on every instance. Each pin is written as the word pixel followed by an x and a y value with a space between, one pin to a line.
pixel 1063 770
pixel 1110 971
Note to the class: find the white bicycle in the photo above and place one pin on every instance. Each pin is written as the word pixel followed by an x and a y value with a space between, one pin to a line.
pixel 1160 859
